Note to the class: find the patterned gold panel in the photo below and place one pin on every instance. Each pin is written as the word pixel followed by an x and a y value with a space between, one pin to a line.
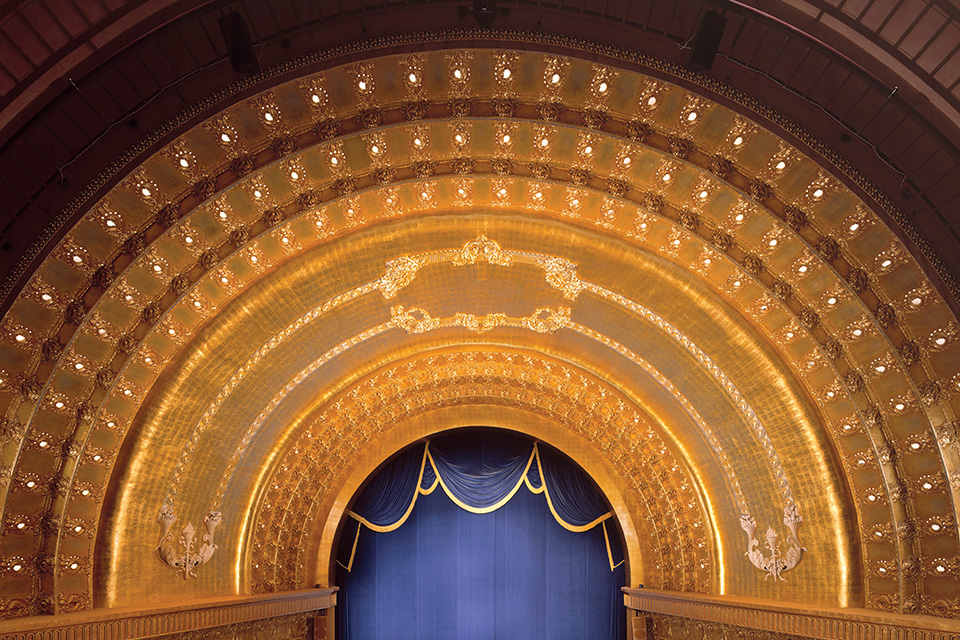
pixel 196 322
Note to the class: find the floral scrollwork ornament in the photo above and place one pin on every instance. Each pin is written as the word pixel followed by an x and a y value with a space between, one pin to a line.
pixel 184 556
pixel 778 562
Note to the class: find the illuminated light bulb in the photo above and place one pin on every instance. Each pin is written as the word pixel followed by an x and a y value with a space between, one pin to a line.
pixel 941 341
pixel 294 175
pixel 927 486
pixel 652 100
pixel 555 78
pixel 184 162
pixel 145 191
pixel 675 243
pixel 506 73
pixel 941 568
pixel 268 116
pixel 643 225
pixel 21 525
pixel 603 87
pixel 375 150
pixel 916 302
pixel 253 259
pixel 802 269
pixel 74 565
pixel 666 177
pixel 706 261
pixel 886 263
pixel 736 283
pixel 111 424
pixel 703 194
pixel 458 74
pixel 31 484
pixel 882 570
pixel 588 149
pixel 857 332
pixel 334 160
pixel 222 215
pixel 872 498
pixel 773 242
pixel 878 534
pixel 20 337
pixel 224 280
pixel 900 407
pixel 285 240
pixel 818 193
pixel 17 567
pixel 363 85
pixel 575 202
pixel 831 301
pixel 188 239
pixel 854 226
pixel 46 297
pixel 315 99
pixel 847 427
pixel 170 331
pixel 417 142
pixel 425 194
pixel 544 142
pixel 739 217
pixel 502 192
pixel 506 138
pixel 78 366
pixel 43 444
pixel 225 137
pixel 627 161
pixel 85 492
pixel 412 77
pixel 257 193
pixel 738 141
pixel 59 404
pixel 157 268
pixel 880 368
pixel 101 331
pixel 196 304
pixel 691 116
pixel 789 335
pixel 462 192
pixel 77 259
pixel 935 526
pixel 127 392
pixel 781 165
pixel 128 298
pixel 913 445
pixel 458 138
pixel 78 529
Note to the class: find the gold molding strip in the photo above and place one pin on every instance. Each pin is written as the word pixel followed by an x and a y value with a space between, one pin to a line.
pixel 805 621
pixel 129 624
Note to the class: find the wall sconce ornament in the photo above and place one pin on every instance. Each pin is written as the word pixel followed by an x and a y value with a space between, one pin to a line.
pixel 776 564
pixel 185 558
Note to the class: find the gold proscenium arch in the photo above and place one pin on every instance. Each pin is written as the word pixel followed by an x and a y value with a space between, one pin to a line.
pixel 700 311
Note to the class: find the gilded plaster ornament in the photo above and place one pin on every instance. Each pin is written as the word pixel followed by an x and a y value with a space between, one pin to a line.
pixel 186 558
pixel 777 563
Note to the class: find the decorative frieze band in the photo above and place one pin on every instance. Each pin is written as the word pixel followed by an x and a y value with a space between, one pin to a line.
pixel 116 624
pixel 812 622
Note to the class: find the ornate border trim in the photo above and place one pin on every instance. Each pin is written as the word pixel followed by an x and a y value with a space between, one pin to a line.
pixel 101 624
pixel 277 73
pixel 807 622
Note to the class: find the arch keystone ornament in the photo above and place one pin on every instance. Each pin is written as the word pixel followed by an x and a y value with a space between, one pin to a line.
pixel 776 564
pixel 184 559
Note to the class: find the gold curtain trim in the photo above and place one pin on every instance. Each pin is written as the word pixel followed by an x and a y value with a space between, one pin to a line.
pixel 524 479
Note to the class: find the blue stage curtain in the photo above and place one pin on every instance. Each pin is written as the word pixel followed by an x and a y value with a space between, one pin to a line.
pixel 527 569
pixel 482 475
